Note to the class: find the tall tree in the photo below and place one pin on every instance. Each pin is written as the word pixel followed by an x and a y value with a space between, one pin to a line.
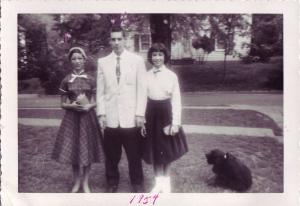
pixel 224 28
pixel 160 29
pixel 267 36
pixel 32 47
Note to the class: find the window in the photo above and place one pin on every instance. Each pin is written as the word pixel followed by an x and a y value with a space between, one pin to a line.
pixel 220 43
pixel 145 42
pixel 142 42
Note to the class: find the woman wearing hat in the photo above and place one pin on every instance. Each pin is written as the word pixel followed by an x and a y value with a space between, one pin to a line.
pixel 79 139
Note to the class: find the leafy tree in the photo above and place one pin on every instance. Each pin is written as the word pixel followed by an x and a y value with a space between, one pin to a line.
pixel 224 27
pixel 205 43
pixel 189 26
pixel 267 36
pixel 32 47
pixel 49 37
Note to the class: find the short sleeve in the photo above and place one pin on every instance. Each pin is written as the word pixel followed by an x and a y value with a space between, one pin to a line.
pixel 63 88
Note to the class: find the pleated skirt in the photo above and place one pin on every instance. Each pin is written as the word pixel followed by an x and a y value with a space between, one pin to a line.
pixel 157 147
pixel 79 140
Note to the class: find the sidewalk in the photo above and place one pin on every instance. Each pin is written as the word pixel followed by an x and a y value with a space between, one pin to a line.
pixel 270 104
pixel 196 129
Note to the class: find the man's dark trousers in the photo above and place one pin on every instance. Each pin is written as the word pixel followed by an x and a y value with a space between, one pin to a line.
pixel 114 139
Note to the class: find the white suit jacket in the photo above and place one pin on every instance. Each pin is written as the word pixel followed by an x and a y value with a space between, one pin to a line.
pixel 121 102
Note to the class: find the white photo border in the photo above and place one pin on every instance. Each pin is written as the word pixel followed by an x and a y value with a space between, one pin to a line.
pixel 9 119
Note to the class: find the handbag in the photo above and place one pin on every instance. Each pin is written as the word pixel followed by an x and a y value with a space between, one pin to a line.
pixel 178 143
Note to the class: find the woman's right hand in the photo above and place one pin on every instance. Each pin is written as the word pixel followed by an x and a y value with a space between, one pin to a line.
pixel 76 107
pixel 102 121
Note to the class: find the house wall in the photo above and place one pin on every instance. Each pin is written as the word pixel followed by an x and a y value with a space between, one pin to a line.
pixel 182 48
pixel 130 45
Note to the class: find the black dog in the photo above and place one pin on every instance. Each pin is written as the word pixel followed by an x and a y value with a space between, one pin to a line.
pixel 230 171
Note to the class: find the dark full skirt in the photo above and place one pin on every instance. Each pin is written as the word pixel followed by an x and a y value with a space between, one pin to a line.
pixel 159 148
pixel 79 139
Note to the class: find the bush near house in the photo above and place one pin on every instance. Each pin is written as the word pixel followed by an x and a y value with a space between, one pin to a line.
pixel 30 86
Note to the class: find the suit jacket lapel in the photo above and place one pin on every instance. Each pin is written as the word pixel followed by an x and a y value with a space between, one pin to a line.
pixel 111 66
pixel 124 68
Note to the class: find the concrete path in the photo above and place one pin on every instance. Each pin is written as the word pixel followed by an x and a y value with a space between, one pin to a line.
pixel 270 104
pixel 197 129
pixel 274 112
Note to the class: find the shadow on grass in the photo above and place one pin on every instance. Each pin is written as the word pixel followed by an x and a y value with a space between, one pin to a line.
pixel 38 173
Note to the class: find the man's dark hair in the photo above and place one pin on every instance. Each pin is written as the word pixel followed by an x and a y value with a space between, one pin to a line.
pixel 158 47
pixel 117 29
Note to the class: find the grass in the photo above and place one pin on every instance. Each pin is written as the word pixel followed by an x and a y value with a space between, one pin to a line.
pixel 239 76
pixel 38 173
pixel 220 117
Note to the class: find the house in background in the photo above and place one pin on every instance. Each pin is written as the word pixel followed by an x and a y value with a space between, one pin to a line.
pixel 138 40
pixel 181 47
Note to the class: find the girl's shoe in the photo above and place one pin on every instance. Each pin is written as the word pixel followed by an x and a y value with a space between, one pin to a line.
pixel 86 188
pixel 76 186
pixel 166 187
pixel 158 185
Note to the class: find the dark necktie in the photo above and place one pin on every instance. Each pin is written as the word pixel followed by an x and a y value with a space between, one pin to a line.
pixel 118 70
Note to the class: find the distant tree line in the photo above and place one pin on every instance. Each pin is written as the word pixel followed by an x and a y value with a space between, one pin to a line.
pixel 45 39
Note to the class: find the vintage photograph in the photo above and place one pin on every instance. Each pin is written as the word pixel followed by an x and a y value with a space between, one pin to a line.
pixel 150 103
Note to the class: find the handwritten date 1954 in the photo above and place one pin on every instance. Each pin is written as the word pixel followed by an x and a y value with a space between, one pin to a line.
pixel 144 199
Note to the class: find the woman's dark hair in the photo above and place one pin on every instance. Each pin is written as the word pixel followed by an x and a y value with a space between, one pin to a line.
pixel 158 47
pixel 76 51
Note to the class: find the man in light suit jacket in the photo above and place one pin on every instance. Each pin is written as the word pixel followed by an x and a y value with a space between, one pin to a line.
pixel 121 102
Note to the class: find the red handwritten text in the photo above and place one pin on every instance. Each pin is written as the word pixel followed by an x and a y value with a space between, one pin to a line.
pixel 144 199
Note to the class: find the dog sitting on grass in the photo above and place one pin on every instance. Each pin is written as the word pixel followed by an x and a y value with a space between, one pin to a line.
pixel 230 171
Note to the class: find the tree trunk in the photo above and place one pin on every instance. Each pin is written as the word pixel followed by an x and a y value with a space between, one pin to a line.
pixel 160 29
pixel 224 71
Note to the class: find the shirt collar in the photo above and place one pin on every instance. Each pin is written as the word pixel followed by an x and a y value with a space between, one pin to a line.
pixel 80 73
pixel 114 55
pixel 160 69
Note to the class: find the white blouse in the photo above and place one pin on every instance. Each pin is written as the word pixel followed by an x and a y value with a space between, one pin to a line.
pixel 163 84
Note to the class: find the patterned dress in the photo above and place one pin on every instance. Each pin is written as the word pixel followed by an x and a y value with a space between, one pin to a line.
pixel 79 139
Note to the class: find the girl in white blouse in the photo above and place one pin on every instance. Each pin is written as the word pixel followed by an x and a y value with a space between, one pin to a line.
pixel 164 139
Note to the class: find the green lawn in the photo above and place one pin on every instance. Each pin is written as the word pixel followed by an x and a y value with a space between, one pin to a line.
pixel 38 173
pixel 239 76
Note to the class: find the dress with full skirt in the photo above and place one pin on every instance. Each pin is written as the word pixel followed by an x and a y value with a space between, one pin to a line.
pixel 79 140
